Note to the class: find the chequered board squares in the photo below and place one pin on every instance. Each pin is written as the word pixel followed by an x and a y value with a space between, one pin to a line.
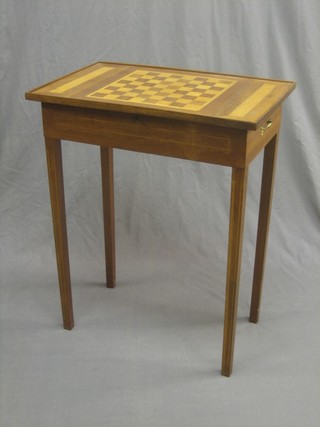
pixel 165 89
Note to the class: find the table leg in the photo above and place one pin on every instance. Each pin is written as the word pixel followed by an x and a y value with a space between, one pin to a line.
pixel 237 211
pixel 270 154
pixel 55 175
pixel 108 214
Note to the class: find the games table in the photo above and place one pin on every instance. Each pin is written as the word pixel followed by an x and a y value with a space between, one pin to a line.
pixel 200 116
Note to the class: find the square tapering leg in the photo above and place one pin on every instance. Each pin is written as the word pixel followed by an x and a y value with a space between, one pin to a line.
pixel 237 211
pixel 55 175
pixel 268 173
pixel 108 213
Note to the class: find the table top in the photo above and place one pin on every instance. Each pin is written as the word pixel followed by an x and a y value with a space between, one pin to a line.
pixel 219 99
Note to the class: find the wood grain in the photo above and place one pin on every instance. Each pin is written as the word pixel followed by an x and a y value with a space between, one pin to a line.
pixel 108 213
pixel 80 80
pixel 153 135
pixel 236 101
pixel 268 173
pixel 55 176
pixel 164 89
pixel 194 115
pixel 237 211
pixel 256 140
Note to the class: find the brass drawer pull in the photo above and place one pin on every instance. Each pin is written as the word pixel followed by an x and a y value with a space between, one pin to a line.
pixel 264 128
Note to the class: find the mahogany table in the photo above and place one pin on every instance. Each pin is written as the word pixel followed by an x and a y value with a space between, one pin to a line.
pixel 200 116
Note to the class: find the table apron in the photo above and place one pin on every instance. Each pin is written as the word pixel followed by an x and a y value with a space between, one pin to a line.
pixel 153 135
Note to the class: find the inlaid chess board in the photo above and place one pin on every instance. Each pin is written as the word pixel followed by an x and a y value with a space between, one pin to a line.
pixel 187 92
pixel 224 100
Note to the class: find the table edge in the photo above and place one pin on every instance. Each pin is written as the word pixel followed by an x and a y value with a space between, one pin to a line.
pixel 185 116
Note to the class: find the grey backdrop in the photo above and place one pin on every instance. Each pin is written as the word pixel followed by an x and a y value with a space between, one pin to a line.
pixel 149 352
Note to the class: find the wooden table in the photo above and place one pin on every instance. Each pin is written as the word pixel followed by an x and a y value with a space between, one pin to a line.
pixel 205 117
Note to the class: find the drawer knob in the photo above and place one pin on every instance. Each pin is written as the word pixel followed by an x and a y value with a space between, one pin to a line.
pixel 264 128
